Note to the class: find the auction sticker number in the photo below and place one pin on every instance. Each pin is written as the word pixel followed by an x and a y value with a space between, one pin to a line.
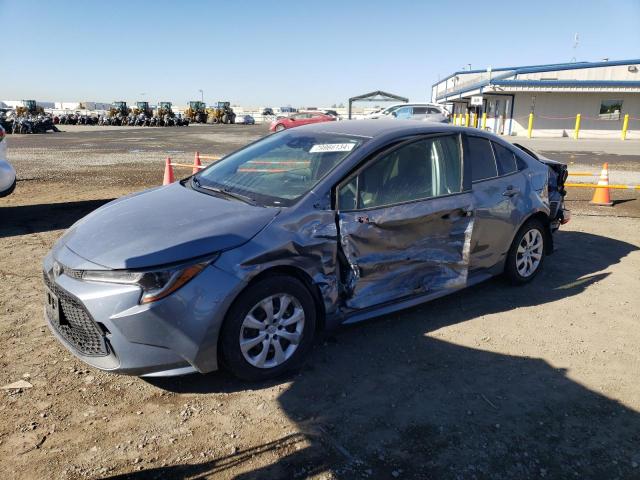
pixel 332 147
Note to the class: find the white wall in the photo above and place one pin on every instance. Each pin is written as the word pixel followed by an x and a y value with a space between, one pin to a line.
pixel 555 114
pixel 617 72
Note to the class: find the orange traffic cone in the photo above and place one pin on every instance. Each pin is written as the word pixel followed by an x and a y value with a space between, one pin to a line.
pixel 196 164
pixel 601 195
pixel 168 173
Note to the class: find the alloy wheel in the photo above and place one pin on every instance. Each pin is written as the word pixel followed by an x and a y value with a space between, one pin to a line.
pixel 529 253
pixel 272 330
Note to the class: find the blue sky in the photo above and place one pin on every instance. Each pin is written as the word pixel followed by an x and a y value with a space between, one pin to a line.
pixel 303 53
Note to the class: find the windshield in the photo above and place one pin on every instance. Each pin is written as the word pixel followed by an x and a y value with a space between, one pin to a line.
pixel 279 169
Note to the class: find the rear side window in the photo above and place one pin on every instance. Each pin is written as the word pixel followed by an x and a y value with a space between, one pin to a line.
pixel 483 165
pixel 433 111
pixel 521 163
pixel 505 159
pixel 423 169
pixel 419 110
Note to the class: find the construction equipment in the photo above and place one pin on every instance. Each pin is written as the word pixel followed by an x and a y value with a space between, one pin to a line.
pixel 29 107
pixel 197 112
pixel 221 113
pixel 119 113
pixel 143 107
pixel 164 108
pixel 119 108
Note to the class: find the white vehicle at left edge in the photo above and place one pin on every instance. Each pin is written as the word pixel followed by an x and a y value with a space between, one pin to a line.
pixel 7 172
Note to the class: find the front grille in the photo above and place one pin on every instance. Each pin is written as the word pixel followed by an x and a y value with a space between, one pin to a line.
pixel 76 325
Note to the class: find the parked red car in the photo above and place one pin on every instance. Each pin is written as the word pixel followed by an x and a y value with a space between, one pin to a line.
pixel 297 119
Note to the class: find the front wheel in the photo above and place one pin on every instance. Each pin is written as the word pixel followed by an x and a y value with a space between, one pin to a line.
pixel 269 329
pixel 279 127
pixel 526 254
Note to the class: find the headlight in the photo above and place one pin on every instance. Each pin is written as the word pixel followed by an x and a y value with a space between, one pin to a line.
pixel 155 284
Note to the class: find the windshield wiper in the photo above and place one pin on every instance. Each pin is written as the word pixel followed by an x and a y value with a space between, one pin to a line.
pixel 224 192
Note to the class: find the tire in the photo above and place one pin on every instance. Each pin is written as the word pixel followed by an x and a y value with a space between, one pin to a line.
pixel 279 127
pixel 254 364
pixel 521 267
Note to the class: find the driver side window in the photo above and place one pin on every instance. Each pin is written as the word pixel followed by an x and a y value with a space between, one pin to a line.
pixel 422 169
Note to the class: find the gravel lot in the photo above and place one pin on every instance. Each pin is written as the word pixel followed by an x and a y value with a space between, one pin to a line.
pixel 495 382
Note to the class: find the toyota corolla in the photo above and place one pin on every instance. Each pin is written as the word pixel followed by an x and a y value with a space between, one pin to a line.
pixel 307 229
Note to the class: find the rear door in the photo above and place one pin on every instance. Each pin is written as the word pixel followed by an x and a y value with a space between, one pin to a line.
pixel 499 192
pixel 303 118
pixel 419 113
pixel 316 118
pixel 405 221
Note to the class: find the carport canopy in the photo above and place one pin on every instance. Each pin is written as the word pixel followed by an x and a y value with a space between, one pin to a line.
pixel 377 96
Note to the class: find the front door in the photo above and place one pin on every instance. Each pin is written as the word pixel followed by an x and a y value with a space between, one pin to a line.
pixel 497 114
pixel 405 223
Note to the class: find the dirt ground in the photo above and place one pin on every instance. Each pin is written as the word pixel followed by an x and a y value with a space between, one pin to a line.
pixel 495 382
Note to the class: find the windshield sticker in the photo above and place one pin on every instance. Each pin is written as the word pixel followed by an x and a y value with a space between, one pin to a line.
pixel 332 147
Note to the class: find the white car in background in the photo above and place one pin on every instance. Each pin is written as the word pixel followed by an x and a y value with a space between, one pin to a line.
pixel 7 173
pixel 428 112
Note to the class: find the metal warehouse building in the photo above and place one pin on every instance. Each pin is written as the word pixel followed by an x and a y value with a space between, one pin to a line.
pixel 547 99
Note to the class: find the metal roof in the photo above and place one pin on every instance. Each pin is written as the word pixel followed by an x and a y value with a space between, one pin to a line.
pixel 502 79
pixel 379 96
pixel 548 67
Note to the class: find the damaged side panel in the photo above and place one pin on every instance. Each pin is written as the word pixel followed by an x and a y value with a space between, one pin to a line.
pixel 307 243
pixel 407 249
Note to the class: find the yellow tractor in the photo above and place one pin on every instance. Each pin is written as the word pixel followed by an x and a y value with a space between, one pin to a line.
pixel 197 112
pixel 221 113
pixel 29 107
pixel 143 107
pixel 164 108
pixel 119 108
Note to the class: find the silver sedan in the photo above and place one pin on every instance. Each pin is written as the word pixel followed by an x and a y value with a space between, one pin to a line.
pixel 306 229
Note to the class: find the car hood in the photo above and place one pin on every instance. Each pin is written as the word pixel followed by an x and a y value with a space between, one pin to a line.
pixel 162 226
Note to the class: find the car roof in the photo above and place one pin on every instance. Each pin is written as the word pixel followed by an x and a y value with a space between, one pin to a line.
pixel 374 128
pixel 410 104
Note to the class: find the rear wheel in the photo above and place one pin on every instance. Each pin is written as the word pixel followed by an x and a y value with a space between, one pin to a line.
pixel 526 254
pixel 269 329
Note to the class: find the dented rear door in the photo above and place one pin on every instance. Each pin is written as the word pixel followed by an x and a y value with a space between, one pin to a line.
pixel 407 246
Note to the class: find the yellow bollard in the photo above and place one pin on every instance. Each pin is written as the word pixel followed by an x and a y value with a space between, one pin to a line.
pixel 453 119
pixel 625 125
pixel 484 120
pixel 475 120
pixel 576 132
pixel 530 128
pixel 466 119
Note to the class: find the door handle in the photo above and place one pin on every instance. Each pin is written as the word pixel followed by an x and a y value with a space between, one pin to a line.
pixel 462 212
pixel 510 191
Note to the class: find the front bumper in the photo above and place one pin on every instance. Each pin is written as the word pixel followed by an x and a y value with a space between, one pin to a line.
pixel 169 336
